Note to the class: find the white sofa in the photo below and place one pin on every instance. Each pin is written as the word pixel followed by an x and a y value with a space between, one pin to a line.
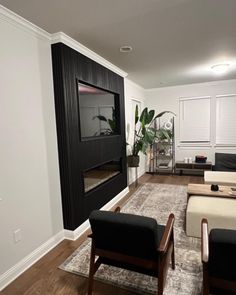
pixel 220 213
pixel 220 178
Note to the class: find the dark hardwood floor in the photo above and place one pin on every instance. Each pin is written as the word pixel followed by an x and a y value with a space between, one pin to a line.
pixel 44 277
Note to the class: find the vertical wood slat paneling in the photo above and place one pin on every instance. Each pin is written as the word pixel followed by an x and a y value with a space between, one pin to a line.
pixel 75 155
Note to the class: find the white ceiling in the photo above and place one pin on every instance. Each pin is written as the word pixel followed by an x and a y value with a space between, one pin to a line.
pixel 174 41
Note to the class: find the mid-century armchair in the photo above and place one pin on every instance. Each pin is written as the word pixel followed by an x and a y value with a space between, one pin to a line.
pixel 219 260
pixel 132 242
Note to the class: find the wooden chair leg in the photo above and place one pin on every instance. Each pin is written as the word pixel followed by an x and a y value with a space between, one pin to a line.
pixel 173 257
pixel 161 276
pixel 91 270
pixel 205 282
pixel 160 284
pixel 173 251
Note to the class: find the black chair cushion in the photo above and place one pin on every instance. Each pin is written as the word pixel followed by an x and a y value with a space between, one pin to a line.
pixel 222 254
pixel 128 234
pixel 225 162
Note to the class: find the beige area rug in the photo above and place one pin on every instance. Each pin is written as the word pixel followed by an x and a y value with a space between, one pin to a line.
pixel 157 201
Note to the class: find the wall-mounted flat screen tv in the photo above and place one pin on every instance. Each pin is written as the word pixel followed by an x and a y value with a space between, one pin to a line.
pixel 98 112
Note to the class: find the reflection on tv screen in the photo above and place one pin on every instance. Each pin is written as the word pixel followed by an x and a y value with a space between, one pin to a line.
pixel 97 112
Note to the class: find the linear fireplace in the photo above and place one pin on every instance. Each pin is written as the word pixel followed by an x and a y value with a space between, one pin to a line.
pixel 100 174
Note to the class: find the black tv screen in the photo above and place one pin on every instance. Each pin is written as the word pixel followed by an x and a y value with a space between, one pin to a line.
pixel 98 112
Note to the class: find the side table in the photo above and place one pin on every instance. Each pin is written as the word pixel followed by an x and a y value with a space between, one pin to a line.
pixel 180 166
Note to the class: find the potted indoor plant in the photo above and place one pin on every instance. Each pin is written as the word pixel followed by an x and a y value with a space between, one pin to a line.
pixel 144 136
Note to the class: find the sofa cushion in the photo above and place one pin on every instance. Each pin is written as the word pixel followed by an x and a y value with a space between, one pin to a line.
pixel 225 162
pixel 220 177
pixel 222 253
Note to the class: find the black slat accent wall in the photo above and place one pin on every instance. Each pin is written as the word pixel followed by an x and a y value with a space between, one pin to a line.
pixel 76 155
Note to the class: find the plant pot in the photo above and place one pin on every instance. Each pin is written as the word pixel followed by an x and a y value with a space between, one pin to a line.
pixel 133 161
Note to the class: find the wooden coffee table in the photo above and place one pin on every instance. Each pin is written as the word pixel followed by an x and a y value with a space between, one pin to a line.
pixel 205 190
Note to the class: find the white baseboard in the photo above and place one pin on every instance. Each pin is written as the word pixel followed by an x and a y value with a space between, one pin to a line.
pixel 15 271
pixel 74 235
pixel 11 274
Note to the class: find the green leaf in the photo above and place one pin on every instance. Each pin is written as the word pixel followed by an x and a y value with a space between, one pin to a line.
pixel 136 114
pixel 163 134
pixel 144 148
pixel 162 113
pixel 150 116
pixel 149 137
pixel 152 133
pixel 112 124
pixel 166 134
pixel 113 114
pixel 154 130
pixel 143 116
pixel 143 130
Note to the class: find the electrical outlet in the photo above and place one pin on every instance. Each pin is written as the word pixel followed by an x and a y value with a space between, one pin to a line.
pixel 17 235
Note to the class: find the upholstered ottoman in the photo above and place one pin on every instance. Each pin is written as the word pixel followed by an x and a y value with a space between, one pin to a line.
pixel 220 178
pixel 220 213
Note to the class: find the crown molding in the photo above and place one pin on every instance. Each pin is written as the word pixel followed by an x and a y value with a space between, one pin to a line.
pixel 62 37
pixel 18 21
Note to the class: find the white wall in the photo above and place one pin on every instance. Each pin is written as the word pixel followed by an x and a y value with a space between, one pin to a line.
pixel 167 98
pixel 133 91
pixel 29 173
pixel 30 197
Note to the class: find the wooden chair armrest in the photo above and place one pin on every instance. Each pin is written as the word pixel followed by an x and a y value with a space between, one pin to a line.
pixel 204 241
pixel 167 234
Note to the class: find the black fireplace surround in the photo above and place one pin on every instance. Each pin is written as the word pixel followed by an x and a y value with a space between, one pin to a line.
pixel 80 158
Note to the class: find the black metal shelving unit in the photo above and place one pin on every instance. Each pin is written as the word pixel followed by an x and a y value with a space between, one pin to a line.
pixel 162 153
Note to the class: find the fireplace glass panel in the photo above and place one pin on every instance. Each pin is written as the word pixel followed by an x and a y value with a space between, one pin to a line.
pixel 98 175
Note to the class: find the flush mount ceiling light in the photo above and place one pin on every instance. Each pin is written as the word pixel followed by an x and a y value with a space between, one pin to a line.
pixel 220 69
pixel 126 48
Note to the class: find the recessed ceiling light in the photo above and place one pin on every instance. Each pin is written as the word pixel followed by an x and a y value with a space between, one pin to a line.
pixel 126 48
pixel 220 69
